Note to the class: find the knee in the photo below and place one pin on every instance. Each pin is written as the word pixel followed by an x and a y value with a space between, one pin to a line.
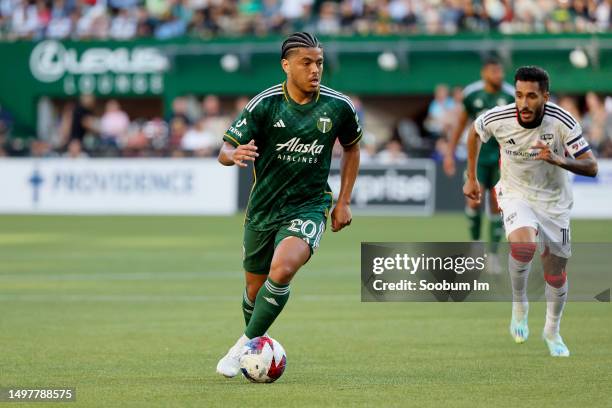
pixel 252 288
pixel 556 280
pixel 281 272
pixel 523 251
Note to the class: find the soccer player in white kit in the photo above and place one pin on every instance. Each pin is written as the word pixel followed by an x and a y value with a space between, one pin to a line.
pixel 539 141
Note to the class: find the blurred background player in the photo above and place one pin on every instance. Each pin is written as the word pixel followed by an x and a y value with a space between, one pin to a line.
pixel 289 131
pixel 539 142
pixel 478 97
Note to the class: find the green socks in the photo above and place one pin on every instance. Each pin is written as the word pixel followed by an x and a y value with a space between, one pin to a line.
pixel 496 232
pixel 270 301
pixel 247 308
pixel 474 220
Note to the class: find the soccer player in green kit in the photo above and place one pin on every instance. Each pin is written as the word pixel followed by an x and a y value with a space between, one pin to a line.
pixel 288 131
pixel 478 97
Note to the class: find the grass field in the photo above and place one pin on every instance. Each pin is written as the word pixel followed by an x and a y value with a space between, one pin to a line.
pixel 136 311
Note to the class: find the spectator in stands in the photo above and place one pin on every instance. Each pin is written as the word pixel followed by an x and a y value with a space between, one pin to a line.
pixel 199 141
pixel 60 25
pixel 6 122
pixel 597 123
pixel 216 121
pixel 114 125
pixel 180 108
pixel 393 153
pixel 178 129
pixel 75 150
pixel 440 113
pixel 124 24
pixel 24 22
pixel 82 120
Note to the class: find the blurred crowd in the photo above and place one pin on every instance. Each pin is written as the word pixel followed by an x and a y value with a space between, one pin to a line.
pixel 86 128
pixel 194 127
pixel 163 19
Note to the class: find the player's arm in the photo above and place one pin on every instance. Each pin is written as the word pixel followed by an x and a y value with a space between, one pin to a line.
pixel 449 158
pixel 239 140
pixel 349 167
pixel 584 164
pixel 349 137
pixel 579 159
pixel 230 154
pixel 471 188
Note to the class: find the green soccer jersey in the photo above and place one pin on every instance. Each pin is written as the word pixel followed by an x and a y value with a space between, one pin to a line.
pixel 295 147
pixel 476 101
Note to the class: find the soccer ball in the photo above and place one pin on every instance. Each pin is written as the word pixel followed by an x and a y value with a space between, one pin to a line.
pixel 263 360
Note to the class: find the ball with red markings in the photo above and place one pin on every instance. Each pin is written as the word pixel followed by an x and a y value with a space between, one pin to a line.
pixel 263 360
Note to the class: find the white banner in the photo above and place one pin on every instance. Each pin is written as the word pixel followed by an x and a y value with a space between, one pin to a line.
pixel 593 196
pixel 117 186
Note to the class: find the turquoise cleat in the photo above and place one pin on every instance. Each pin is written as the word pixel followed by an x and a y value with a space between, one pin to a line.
pixel 519 329
pixel 556 346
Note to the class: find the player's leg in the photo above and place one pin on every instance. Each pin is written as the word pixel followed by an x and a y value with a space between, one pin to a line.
pixel 258 249
pixel 473 213
pixel 556 296
pixel 254 281
pixel 556 237
pixel 522 248
pixel 290 254
pixel 520 224
pixel 295 243
pixel 496 226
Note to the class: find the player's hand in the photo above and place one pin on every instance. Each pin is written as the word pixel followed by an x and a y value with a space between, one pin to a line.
pixel 341 217
pixel 245 152
pixel 546 154
pixel 471 189
pixel 449 164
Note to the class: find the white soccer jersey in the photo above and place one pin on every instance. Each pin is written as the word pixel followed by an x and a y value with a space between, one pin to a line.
pixel 545 186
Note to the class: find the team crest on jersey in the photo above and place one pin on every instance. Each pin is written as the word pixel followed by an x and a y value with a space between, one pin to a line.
pixel 478 103
pixel 547 137
pixel 502 102
pixel 324 124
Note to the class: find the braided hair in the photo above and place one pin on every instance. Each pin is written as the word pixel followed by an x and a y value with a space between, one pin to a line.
pixel 299 40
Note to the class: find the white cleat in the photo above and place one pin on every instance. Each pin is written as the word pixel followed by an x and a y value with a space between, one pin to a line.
pixel 493 265
pixel 519 330
pixel 229 365
pixel 555 344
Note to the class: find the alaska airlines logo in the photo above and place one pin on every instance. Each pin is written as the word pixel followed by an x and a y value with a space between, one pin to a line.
pixel 294 145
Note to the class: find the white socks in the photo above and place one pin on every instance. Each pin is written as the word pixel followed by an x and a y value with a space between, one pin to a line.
pixel 519 273
pixel 555 301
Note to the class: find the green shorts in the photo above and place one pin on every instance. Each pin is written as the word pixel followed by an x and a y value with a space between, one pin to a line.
pixel 488 175
pixel 258 246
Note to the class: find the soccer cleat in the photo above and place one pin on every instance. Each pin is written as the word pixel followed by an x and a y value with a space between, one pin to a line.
pixel 519 330
pixel 229 365
pixel 555 344
pixel 493 265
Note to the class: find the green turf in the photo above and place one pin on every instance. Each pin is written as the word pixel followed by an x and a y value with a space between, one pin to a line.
pixel 135 311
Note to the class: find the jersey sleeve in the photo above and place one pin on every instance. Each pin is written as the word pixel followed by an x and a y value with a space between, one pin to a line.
pixel 243 129
pixel 574 142
pixel 350 130
pixel 483 131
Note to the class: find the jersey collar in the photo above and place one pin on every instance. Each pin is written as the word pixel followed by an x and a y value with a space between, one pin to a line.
pixel 296 105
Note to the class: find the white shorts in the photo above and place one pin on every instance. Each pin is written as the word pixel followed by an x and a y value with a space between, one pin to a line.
pixel 553 231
